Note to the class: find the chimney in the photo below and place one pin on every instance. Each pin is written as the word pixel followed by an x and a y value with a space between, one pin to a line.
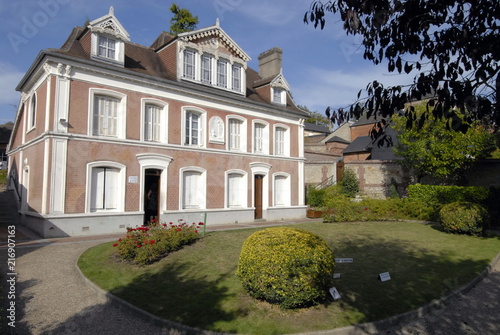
pixel 270 63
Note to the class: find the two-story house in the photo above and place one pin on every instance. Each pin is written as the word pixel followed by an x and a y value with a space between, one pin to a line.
pixel 103 121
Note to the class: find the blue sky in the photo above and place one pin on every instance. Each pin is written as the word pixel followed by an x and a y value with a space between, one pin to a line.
pixel 323 67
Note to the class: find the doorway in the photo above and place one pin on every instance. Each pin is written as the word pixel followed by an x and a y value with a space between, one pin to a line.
pixel 151 195
pixel 258 179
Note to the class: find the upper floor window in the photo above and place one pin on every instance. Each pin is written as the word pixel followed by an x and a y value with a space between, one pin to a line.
pixel 236 133
pixel 206 69
pixel 236 78
pixel 107 116
pixel 154 121
pixel 32 112
pixel 107 47
pixel 260 138
pixel 189 64
pixel 222 73
pixel 193 131
pixel 279 95
pixel 281 141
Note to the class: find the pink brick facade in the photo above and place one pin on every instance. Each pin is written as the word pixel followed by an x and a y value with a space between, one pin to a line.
pixel 56 166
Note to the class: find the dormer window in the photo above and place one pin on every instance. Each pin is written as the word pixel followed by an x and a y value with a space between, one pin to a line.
pixel 279 95
pixel 107 47
pixel 222 73
pixel 189 64
pixel 237 78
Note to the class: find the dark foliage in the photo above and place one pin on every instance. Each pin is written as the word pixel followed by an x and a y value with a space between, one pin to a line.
pixel 454 47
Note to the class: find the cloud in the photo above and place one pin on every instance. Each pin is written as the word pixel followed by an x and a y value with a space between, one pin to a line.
pixel 10 78
pixel 339 88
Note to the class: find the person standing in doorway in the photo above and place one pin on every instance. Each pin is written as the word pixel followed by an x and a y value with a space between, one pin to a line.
pixel 152 204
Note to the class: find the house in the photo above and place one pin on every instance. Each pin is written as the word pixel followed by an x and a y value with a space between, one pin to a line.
pixel 5 131
pixel 103 121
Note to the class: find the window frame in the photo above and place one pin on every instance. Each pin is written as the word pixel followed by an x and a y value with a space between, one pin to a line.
pixel 265 137
pixel 120 111
pixel 222 63
pixel 241 194
pixel 120 184
pixel 242 122
pixel 201 187
pixel 186 65
pixel 284 149
pixel 280 200
pixel 204 70
pixel 282 95
pixel 32 111
pixel 163 119
pixel 119 48
pixel 202 126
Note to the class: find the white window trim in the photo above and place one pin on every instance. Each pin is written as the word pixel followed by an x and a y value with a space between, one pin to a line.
pixel 202 188
pixel 243 195
pixel 243 133
pixel 119 49
pixel 32 111
pixel 288 189
pixel 265 137
pixel 203 126
pixel 163 118
pixel 286 145
pixel 121 111
pixel 282 96
pixel 121 183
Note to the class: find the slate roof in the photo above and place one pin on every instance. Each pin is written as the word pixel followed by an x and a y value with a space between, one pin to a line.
pixel 360 144
pixel 316 128
pixel 337 139
pixel 144 60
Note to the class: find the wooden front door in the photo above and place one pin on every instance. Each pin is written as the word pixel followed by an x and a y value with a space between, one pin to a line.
pixel 258 196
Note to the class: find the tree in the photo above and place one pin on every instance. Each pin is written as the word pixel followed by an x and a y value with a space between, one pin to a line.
pixel 434 151
pixel 454 45
pixel 182 20
pixel 315 117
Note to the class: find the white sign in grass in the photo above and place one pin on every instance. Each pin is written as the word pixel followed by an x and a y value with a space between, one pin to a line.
pixel 336 275
pixel 335 294
pixel 344 260
pixel 385 276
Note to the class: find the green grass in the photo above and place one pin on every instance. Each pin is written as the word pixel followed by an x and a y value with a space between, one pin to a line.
pixel 197 285
pixel 3 179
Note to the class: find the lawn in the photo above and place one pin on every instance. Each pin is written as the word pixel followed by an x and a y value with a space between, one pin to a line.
pixel 197 285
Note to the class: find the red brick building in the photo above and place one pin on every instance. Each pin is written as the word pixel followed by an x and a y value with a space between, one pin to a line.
pixel 103 121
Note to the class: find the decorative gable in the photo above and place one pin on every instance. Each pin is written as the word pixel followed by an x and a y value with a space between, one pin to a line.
pixel 108 37
pixel 210 57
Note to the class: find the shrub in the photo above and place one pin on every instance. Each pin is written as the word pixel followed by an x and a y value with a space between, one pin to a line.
pixel 350 183
pixel 147 244
pixel 286 266
pixel 315 197
pixel 463 218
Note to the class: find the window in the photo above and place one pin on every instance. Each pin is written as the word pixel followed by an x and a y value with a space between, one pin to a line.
pixel 193 195
pixel 281 190
pixel 152 123
pixel 279 96
pixel 193 129
pixel 236 78
pixel 279 141
pixel 206 69
pixel 236 189
pixel 105 116
pixel 258 142
pixel 107 47
pixel 222 73
pixel 189 64
pixel 32 112
pixel 234 134
pixel 105 189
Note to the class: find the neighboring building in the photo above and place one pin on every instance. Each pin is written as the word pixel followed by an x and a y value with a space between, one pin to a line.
pixel 5 131
pixel 103 120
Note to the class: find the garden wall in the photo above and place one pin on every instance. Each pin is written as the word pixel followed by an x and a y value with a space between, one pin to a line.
pixel 376 177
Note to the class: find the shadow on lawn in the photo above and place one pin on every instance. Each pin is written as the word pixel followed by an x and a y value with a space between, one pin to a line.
pixel 173 294
pixel 418 276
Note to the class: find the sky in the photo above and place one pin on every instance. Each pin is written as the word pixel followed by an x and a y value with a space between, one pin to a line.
pixel 323 67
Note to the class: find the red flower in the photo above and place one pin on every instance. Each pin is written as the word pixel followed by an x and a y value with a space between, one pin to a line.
pixel 119 240
pixel 366 209
pixel 115 245
pixel 138 246
pixel 164 224
pixel 201 223
pixel 152 241
pixel 179 229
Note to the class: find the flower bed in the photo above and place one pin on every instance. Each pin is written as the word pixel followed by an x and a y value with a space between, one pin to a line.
pixel 147 244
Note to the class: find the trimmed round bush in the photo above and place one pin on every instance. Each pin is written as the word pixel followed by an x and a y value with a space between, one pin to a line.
pixel 463 218
pixel 286 266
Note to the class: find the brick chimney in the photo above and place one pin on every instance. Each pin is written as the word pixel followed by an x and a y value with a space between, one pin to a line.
pixel 270 62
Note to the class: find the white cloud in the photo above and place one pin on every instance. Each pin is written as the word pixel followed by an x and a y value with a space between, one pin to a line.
pixel 10 78
pixel 321 88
